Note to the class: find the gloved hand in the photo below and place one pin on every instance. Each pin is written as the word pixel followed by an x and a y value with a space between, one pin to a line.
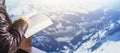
pixel 25 19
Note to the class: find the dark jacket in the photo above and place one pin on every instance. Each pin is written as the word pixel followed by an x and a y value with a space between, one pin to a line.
pixel 10 34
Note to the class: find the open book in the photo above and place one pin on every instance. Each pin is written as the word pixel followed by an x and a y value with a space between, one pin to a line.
pixel 38 22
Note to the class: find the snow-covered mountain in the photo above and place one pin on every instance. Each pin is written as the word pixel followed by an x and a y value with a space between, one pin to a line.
pixel 79 26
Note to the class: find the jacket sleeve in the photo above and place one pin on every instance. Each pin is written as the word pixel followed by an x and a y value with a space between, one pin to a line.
pixel 10 38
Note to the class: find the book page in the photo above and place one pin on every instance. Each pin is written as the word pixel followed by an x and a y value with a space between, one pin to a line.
pixel 38 22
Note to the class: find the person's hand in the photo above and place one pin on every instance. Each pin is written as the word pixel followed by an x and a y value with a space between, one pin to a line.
pixel 25 19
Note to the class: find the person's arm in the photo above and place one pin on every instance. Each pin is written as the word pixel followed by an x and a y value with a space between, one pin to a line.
pixel 17 30
pixel 11 38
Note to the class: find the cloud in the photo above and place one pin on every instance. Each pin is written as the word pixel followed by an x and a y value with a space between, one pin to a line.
pixel 62 6
pixel 80 6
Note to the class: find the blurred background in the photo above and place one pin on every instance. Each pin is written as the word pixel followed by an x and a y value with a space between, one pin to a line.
pixel 79 26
